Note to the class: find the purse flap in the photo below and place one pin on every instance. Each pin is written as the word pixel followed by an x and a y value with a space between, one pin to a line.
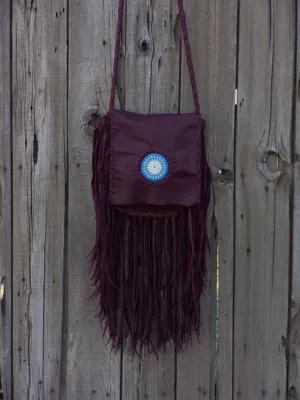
pixel 155 159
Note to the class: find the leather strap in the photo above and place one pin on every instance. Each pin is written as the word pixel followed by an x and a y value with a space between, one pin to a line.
pixel 187 51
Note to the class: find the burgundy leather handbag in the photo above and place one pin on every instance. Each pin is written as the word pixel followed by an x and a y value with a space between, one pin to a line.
pixel 151 186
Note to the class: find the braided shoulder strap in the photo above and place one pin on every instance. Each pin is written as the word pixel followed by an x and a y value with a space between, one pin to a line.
pixel 187 51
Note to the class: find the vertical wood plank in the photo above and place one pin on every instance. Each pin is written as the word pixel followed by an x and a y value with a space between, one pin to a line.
pixel 294 353
pixel 5 201
pixel 263 190
pixel 39 131
pixel 93 372
pixel 212 29
pixel 152 86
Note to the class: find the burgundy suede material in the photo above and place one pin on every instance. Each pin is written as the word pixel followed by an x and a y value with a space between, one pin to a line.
pixel 176 136
pixel 148 262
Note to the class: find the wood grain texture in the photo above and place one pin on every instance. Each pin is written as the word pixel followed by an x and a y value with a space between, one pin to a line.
pixel 39 132
pixel 212 29
pixel 5 201
pixel 294 344
pixel 93 372
pixel 152 85
pixel 58 349
pixel 196 366
pixel 263 193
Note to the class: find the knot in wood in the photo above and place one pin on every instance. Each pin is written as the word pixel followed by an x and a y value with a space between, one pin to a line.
pixel 225 174
pixel 268 165
pixel 89 121
pixel 293 393
pixel 297 158
pixel 144 45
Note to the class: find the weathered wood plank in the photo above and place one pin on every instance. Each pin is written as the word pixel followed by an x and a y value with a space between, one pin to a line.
pixel 39 131
pixel 152 86
pixel 212 29
pixel 196 366
pixel 263 190
pixel 5 201
pixel 294 354
pixel 93 372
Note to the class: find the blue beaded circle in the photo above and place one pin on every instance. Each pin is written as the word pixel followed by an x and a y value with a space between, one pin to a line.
pixel 154 167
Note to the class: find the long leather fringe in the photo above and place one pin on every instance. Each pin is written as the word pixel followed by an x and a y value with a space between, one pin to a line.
pixel 148 272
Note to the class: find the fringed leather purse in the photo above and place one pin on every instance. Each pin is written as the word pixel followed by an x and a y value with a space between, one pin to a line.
pixel 151 187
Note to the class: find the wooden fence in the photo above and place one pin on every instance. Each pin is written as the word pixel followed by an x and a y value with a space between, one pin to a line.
pixel 55 70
